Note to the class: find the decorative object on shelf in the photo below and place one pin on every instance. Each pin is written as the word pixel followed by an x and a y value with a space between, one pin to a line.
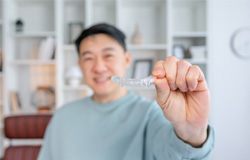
pixel 19 25
pixel 46 49
pixel 142 68
pixel 179 51
pixel 43 98
pixel 240 42
pixel 137 36
pixel 198 52
pixel 74 76
pixel 75 28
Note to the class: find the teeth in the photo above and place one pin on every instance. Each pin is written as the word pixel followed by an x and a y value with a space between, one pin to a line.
pixel 101 79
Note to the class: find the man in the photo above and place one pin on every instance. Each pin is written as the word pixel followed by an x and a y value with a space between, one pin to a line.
pixel 116 124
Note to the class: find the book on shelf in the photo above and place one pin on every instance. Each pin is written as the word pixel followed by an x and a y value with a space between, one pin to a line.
pixel 1 60
pixel 15 102
pixel 46 49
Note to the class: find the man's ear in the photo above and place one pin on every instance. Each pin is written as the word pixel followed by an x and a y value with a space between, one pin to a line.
pixel 128 59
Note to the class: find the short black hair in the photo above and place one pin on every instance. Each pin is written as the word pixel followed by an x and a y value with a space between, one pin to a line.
pixel 103 28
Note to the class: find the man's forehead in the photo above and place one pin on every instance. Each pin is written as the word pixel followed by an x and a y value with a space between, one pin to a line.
pixel 98 43
pixel 97 50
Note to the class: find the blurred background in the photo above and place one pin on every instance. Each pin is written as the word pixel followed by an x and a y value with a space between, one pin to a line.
pixel 38 61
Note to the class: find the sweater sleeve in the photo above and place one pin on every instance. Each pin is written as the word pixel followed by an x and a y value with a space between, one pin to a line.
pixel 45 151
pixel 163 143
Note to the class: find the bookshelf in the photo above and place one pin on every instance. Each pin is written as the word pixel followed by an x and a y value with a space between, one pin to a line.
pixel 162 24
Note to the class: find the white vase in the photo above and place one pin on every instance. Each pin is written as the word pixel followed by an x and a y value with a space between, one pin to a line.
pixel 137 36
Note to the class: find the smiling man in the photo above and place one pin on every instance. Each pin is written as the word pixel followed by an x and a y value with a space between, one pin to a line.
pixel 117 124
pixel 101 57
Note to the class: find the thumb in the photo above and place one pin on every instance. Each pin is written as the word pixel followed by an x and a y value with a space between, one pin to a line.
pixel 162 90
pixel 161 84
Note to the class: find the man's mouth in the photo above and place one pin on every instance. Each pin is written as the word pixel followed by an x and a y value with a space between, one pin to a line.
pixel 102 79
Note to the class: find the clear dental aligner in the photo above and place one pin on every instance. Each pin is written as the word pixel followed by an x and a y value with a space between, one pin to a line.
pixel 144 82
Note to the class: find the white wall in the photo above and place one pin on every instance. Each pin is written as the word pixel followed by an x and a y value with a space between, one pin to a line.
pixel 229 79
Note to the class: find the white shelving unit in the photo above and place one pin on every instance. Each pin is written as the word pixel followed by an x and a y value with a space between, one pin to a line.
pixel 189 34
pixel 32 62
pixel 189 30
pixel 25 70
pixel 163 24
pixel 147 47
pixel 34 34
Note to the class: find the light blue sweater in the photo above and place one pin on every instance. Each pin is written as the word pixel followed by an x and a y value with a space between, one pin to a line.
pixel 130 128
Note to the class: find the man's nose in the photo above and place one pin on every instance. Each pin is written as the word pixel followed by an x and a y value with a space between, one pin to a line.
pixel 99 65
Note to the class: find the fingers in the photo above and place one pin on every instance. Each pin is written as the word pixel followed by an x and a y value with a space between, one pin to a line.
pixel 196 79
pixel 192 77
pixel 158 70
pixel 182 70
pixel 170 66
pixel 161 83
pixel 178 74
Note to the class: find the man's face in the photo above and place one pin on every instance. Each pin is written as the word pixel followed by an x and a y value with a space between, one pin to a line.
pixel 100 58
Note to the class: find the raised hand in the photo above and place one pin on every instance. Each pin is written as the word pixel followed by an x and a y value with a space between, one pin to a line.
pixel 183 95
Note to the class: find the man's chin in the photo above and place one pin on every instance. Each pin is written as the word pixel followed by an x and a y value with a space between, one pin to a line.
pixel 102 90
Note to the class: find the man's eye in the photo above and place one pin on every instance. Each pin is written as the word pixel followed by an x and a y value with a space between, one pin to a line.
pixel 109 56
pixel 86 58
